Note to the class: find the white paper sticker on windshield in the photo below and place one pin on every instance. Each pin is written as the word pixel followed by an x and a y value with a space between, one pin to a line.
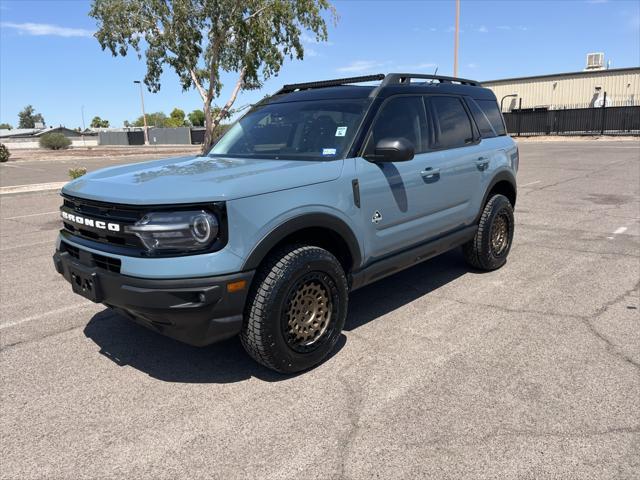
pixel 341 131
pixel 328 151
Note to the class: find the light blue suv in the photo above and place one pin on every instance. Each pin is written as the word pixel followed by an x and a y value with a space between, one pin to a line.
pixel 318 190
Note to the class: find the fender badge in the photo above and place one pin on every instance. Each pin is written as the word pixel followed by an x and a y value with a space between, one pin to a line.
pixel 377 217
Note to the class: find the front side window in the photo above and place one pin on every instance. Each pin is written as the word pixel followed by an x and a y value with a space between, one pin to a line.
pixel 307 130
pixel 453 124
pixel 400 117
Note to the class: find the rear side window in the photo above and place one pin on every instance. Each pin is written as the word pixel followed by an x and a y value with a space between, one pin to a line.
pixel 486 130
pixel 401 117
pixel 453 126
pixel 490 108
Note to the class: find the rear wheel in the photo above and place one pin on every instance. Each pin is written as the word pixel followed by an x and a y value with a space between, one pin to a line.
pixel 489 248
pixel 296 309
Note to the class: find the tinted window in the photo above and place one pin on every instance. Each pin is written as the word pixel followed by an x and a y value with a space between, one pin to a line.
pixel 490 108
pixel 401 117
pixel 312 130
pixel 454 126
pixel 486 130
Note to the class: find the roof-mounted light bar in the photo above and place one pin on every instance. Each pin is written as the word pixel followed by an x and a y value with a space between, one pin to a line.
pixel 329 83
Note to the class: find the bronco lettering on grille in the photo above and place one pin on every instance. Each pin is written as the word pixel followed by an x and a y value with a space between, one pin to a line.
pixel 89 222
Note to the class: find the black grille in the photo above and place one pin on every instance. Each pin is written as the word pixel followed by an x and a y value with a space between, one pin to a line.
pixel 120 215
pixel 91 259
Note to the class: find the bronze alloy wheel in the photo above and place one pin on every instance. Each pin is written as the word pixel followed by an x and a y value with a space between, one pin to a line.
pixel 500 234
pixel 307 313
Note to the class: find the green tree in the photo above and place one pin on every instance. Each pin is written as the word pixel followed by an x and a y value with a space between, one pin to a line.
pixel 28 117
pixel 5 126
pixel 156 119
pixel 97 122
pixel 176 118
pixel 199 39
pixel 197 118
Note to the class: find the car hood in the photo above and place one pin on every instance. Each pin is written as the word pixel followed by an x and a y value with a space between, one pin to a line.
pixel 199 179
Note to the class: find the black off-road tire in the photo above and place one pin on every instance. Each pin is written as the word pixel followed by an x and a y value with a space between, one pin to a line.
pixel 264 335
pixel 480 252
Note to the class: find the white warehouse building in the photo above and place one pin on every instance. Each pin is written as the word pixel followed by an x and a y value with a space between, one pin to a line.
pixel 589 88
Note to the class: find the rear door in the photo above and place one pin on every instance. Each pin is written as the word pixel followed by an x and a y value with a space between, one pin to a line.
pixel 462 159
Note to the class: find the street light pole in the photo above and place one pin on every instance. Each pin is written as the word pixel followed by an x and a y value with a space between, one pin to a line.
pixel 455 45
pixel 144 115
pixel 506 96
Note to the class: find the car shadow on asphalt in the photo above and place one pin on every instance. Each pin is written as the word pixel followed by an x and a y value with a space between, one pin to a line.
pixel 128 344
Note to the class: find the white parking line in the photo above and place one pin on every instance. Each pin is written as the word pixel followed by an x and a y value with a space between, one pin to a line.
pixel 25 168
pixel 51 242
pixel 618 231
pixel 31 215
pixel 532 183
pixel 46 314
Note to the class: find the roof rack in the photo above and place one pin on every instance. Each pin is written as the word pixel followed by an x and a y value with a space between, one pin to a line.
pixel 400 78
pixel 387 80
pixel 329 83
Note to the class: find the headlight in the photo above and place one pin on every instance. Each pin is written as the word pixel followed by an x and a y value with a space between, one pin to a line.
pixel 184 231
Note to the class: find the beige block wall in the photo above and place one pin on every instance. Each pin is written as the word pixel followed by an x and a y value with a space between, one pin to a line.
pixel 570 90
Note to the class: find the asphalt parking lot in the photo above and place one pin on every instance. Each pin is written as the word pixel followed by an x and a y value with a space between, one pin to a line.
pixel 532 371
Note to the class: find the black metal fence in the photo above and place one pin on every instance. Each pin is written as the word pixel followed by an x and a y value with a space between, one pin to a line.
pixel 574 121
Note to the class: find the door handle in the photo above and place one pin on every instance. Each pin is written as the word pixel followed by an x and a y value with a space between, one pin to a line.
pixel 430 173
pixel 482 163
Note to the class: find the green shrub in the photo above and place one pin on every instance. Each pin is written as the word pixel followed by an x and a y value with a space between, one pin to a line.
pixel 77 172
pixel 4 153
pixel 54 141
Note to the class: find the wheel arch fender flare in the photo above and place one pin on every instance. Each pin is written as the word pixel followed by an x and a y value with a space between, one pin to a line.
pixel 301 222
pixel 502 176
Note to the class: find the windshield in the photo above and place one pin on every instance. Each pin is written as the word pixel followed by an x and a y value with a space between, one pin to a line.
pixel 311 130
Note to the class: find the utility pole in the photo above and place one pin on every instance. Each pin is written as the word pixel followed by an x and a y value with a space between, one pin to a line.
pixel 455 44
pixel 144 115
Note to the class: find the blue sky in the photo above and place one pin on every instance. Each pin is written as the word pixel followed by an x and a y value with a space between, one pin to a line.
pixel 49 59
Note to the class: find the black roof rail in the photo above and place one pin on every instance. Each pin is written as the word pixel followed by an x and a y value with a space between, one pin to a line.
pixel 400 78
pixel 329 83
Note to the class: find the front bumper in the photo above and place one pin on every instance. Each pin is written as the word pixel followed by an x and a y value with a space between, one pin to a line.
pixel 197 311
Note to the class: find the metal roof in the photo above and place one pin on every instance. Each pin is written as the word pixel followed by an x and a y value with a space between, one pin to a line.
pixel 555 75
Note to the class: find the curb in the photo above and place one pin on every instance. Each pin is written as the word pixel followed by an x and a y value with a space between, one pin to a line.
pixel 36 187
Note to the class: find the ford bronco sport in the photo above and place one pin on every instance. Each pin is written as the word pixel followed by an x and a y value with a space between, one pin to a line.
pixel 318 190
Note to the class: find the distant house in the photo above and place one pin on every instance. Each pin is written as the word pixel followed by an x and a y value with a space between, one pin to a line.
pixel 35 133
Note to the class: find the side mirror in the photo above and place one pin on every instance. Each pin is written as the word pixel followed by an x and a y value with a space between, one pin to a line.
pixel 392 150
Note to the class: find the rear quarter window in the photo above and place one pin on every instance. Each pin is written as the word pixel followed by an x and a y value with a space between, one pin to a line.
pixel 483 123
pixel 490 109
pixel 453 125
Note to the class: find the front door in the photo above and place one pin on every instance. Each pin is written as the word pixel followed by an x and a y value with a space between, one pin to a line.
pixel 394 196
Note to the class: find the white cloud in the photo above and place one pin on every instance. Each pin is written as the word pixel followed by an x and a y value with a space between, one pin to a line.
pixel 358 66
pixel 414 67
pixel 483 29
pixel 522 28
pixel 597 1
pixel 503 27
pixel 306 38
pixel 433 29
pixel 310 52
pixel 45 29
pixel 472 65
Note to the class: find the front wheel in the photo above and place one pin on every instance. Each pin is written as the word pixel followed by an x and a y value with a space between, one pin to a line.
pixel 296 309
pixel 489 248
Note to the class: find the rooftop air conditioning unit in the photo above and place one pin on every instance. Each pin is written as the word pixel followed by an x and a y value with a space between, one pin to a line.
pixel 595 61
